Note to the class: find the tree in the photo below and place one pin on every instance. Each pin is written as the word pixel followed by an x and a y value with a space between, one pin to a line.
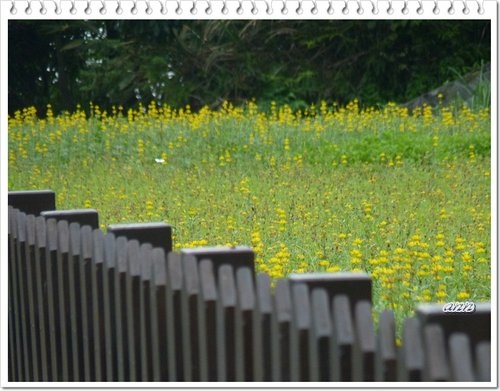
pixel 201 63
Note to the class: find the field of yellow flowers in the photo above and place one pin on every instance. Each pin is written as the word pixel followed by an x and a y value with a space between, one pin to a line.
pixel 405 198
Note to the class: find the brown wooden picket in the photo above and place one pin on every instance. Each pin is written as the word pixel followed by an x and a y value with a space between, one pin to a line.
pixel 262 345
pixel 344 339
pixel 281 328
pixel 207 322
pixel 320 360
pixel 86 305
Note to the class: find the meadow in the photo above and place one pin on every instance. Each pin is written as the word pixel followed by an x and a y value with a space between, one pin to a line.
pixel 405 198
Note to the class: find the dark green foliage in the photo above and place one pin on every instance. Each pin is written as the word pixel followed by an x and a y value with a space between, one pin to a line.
pixel 206 62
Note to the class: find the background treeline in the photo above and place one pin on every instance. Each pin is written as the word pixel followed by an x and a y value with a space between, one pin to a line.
pixel 205 62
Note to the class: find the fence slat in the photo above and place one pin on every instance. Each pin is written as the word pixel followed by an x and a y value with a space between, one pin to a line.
pixel 364 358
pixel 98 305
pixel 23 297
pixel 320 362
pixel 158 316
pixel 41 293
pixel 262 346
pixel 435 353
pixel 52 296
pixel 189 317
pixel 87 314
pixel 226 324
pixel 483 361
pixel 174 329
pixel 386 349
pixel 108 287
pixel 133 305
pixel 412 353
pixel 299 336
pixel 460 358
pixel 121 269
pixel 207 322
pixel 62 303
pixel 75 308
pixel 281 325
pixel 31 284
pixel 145 311
pixel 343 339
pixel 14 334
pixel 245 334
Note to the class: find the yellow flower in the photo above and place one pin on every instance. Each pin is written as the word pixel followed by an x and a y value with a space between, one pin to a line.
pixel 463 295
pixel 357 241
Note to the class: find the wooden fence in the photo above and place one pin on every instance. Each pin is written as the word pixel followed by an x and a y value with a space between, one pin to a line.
pixel 85 305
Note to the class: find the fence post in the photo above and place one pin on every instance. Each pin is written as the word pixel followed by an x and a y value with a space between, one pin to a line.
pixel 157 234
pixel 32 201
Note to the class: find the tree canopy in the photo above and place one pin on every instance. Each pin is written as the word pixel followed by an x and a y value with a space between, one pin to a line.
pixel 122 62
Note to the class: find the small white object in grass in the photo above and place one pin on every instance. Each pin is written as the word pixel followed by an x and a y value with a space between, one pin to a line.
pixel 159 160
